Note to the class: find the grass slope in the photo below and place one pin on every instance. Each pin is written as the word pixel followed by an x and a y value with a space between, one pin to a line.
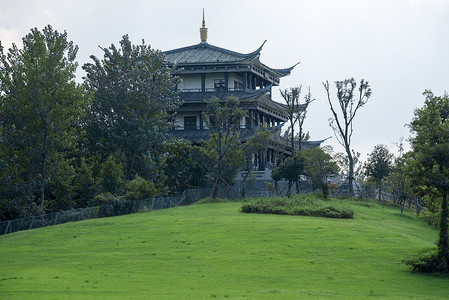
pixel 214 251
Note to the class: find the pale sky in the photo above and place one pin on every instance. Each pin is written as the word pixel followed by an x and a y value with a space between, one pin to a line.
pixel 400 46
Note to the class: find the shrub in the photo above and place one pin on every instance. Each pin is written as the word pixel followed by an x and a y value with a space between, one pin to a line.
pixel 431 218
pixel 429 262
pixel 217 200
pixel 139 188
pixel 106 198
pixel 301 206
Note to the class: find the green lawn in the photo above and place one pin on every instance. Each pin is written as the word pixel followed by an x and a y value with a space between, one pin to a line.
pixel 214 251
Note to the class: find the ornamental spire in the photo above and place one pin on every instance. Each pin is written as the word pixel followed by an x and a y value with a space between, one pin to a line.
pixel 203 30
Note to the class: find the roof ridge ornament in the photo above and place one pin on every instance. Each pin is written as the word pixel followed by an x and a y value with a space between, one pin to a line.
pixel 203 31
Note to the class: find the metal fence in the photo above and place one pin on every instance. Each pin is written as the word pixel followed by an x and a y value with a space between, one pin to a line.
pixel 188 197
pixel 108 210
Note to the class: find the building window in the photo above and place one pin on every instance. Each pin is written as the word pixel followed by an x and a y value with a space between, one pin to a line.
pixel 190 123
pixel 219 85
pixel 238 86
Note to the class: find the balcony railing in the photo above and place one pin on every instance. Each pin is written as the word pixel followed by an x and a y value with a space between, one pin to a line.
pixel 199 90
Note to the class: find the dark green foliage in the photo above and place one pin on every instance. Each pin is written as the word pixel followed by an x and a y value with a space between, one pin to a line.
pixel 111 177
pixel 300 206
pixel 85 184
pixel 139 188
pixel 428 166
pixel 41 107
pixel 428 262
pixel 291 170
pixel 184 166
pixel 134 94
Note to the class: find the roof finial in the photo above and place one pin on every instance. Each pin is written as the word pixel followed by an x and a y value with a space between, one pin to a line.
pixel 204 22
pixel 203 30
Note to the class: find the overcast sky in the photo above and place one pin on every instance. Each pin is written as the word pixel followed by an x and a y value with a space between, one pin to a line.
pixel 400 46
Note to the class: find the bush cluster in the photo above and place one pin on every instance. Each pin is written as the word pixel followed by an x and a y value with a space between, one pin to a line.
pixel 429 262
pixel 300 206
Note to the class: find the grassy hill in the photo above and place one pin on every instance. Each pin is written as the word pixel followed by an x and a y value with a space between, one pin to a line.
pixel 214 251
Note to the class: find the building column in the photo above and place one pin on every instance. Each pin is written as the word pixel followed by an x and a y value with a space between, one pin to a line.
pixel 245 81
pixel 250 115
pixel 201 120
pixel 203 82
pixel 226 75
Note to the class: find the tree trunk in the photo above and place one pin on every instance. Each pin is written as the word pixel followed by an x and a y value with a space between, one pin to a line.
pixel 351 173
pixel 297 186
pixel 380 190
pixel 289 188
pixel 276 188
pixel 215 189
pixel 243 191
pixel 293 141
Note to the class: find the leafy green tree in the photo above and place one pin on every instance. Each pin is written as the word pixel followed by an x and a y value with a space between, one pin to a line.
pixel 429 166
pixel 291 170
pixel 378 165
pixel 85 184
pixel 183 166
pixel 111 177
pixel 398 180
pixel 319 165
pixel 223 148
pixel 134 94
pixel 342 123
pixel 40 110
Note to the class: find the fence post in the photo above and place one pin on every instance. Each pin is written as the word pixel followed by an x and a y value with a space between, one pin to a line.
pixel 56 218
pixel 7 227
pixel 32 223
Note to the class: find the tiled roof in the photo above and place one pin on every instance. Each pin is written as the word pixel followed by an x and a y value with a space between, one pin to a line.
pixel 206 53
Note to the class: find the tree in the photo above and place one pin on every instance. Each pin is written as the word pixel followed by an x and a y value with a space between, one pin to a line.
pixel 183 166
pixel 134 94
pixel 319 165
pixel 379 165
pixel 291 170
pixel 429 166
pixel 342 123
pixel 254 145
pixel 223 148
pixel 40 110
pixel 399 181
pixel 296 113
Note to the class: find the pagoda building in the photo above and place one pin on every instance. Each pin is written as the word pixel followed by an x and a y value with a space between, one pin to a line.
pixel 208 71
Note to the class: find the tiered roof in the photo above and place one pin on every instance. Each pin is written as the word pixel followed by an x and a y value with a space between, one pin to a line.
pixel 195 58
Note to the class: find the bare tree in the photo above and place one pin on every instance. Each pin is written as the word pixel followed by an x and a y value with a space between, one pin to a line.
pixel 342 124
pixel 296 112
